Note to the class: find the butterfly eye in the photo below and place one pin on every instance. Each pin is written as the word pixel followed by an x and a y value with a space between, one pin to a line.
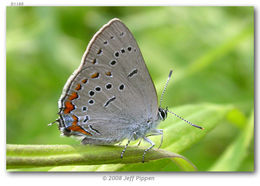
pixel 162 113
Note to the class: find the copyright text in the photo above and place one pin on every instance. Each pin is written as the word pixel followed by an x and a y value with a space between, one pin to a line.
pixel 128 178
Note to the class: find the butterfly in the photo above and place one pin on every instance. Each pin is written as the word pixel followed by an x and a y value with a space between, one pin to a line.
pixel 111 96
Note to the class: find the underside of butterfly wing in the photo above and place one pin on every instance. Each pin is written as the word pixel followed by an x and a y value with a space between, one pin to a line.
pixel 111 95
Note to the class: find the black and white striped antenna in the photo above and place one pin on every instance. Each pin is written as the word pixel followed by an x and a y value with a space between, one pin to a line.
pixel 165 86
pixel 169 77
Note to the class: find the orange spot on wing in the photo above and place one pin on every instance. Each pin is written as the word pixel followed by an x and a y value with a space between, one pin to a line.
pixel 75 120
pixel 108 73
pixel 95 75
pixel 74 95
pixel 84 80
pixel 68 107
pixel 78 87
pixel 79 129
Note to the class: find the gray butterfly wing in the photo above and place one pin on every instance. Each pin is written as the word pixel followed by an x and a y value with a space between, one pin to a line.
pixel 111 94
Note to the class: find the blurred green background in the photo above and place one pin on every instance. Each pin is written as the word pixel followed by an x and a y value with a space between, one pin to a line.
pixel 209 49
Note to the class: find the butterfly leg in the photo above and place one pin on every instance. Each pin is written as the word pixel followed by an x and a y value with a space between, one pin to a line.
pixel 138 144
pixel 122 153
pixel 160 132
pixel 156 132
pixel 152 145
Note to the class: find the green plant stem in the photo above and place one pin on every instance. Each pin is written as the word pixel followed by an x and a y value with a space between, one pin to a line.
pixel 26 156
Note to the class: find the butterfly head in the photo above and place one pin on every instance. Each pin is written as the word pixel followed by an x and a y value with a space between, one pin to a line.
pixel 162 113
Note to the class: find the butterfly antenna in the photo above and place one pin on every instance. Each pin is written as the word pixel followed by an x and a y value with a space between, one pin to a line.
pixel 165 86
pixel 185 120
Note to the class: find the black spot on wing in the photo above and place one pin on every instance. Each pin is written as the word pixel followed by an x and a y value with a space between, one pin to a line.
pixel 109 101
pixel 131 74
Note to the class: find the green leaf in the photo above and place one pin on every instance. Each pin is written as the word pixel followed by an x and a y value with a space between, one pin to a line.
pixel 166 164
pixel 177 136
pixel 234 154
pixel 23 156
pixel 237 118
